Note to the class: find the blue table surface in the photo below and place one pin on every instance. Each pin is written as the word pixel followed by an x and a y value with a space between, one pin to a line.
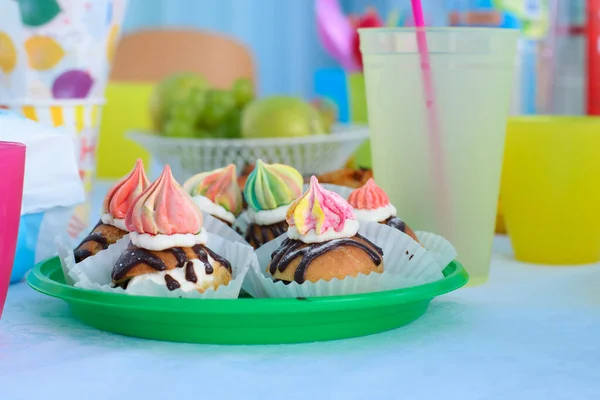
pixel 531 332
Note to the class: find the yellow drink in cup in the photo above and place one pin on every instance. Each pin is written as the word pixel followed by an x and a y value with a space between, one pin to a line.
pixel 550 190
pixel 472 72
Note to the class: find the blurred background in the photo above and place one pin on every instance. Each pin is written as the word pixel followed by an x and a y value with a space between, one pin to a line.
pixel 306 49
pixel 295 50
pixel 291 58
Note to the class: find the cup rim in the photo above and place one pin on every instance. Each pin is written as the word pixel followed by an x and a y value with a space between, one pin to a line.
pixel 8 146
pixel 440 29
pixel 52 102
pixel 545 119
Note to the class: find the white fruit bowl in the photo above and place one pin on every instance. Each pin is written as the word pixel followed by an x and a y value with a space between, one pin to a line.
pixel 310 155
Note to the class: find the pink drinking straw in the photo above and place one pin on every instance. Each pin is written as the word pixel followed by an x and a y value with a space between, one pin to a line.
pixel 435 138
pixel 12 170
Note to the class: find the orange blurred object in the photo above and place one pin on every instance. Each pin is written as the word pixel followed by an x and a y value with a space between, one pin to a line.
pixel 152 55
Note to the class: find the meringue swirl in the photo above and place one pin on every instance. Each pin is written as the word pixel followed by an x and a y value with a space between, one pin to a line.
pixel 219 186
pixel 320 215
pixel 164 208
pixel 270 186
pixel 121 196
pixel 369 197
pixel 371 203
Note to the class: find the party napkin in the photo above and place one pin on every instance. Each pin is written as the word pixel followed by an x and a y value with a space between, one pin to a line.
pixel 51 173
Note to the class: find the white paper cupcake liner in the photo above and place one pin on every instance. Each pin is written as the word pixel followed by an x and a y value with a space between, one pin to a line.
pixel 94 273
pixel 220 228
pixel 406 263
pixel 66 257
pixel 241 223
pixel 440 248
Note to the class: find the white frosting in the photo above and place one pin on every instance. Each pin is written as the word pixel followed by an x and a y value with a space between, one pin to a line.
pixel 350 229
pixel 163 242
pixel 108 219
pixel 209 207
pixel 267 217
pixel 179 275
pixel 376 214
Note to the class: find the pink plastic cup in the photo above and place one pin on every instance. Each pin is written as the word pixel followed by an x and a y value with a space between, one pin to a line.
pixel 12 171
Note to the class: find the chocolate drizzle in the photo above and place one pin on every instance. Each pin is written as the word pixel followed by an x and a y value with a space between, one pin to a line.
pixel 203 257
pixel 202 251
pixel 172 284
pixel 82 254
pixel 257 239
pixel 291 249
pixel 397 223
pixel 190 274
pixel 180 256
pixel 135 256
pixel 97 237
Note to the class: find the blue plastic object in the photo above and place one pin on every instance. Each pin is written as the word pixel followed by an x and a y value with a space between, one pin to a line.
pixel 29 229
pixel 332 83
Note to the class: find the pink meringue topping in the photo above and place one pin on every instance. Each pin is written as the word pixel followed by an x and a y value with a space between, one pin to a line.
pixel 119 198
pixel 368 197
pixel 164 209
pixel 319 209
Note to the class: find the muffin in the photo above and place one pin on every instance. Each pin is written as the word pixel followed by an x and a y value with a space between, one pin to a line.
pixel 348 177
pixel 217 193
pixel 111 226
pixel 168 243
pixel 371 203
pixel 269 191
pixel 323 241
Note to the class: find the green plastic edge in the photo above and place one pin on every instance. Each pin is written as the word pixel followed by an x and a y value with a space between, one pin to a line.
pixel 455 276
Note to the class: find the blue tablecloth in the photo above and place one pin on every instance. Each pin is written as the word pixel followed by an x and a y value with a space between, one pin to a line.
pixel 532 332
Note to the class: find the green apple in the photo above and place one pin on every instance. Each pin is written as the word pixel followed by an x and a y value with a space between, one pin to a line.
pixel 280 117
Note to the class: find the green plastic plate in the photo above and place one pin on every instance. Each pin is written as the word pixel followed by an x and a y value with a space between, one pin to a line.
pixel 245 320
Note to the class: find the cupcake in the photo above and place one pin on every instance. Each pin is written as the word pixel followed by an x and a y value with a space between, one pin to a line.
pixel 168 243
pixel 217 193
pixel 269 191
pixel 111 226
pixel 372 204
pixel 323 241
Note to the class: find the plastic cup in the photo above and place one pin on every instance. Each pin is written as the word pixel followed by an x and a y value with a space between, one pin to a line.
pixel 472 72
pixel 12 167
pixel 550 192
pixel 82 118
pixel 51 50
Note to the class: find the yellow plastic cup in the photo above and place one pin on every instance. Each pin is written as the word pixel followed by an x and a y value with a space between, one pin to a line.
pixel 126 109
pixel 550 192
